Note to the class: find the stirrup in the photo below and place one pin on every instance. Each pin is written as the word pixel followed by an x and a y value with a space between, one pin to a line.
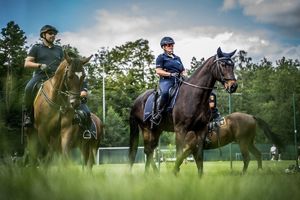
pixel 156 119
pixel 27 122
pixel 87 135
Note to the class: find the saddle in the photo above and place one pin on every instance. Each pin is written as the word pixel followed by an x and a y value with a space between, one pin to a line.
pixel 154 98
pixel 36 88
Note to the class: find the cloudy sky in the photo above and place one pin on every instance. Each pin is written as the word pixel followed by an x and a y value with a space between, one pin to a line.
pixel 263 28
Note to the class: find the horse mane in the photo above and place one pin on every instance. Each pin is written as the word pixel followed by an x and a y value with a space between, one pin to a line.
pixel 206 62
pixel 61 67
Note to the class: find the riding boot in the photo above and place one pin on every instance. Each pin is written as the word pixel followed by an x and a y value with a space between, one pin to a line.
pixel 27 119
pixel 87 132
pixel 156 119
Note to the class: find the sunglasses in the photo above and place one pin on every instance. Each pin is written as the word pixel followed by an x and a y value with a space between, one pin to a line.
pixel 51 33
pixel 169 45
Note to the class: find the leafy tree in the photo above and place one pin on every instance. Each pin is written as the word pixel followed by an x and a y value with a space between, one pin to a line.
pixel 115 130
pixel 128 73
pixel 12 78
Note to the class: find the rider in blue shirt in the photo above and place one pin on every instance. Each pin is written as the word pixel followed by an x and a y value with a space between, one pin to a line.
pixel 168 67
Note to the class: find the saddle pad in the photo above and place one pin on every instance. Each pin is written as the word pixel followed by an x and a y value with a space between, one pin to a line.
pixel 94 129
pixel 149 105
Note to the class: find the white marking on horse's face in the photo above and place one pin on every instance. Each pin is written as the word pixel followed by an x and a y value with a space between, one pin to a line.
pixel 79 74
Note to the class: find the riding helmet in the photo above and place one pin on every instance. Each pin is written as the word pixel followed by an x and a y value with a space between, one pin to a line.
pixel 166 40
pixel 47 28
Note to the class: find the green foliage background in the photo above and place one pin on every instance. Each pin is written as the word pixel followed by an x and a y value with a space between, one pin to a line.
pixel 265 89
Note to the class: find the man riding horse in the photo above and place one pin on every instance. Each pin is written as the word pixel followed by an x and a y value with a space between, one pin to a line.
pixel 45 58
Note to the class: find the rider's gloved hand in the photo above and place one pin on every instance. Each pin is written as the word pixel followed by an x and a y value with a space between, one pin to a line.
pixel 43 67
pixel 174 74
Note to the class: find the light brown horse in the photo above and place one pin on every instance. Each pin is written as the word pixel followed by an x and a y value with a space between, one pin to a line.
pixel 54 107
pixel 241 128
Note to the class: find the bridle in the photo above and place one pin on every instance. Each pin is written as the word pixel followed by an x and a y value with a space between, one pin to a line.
pixel 67 93
pixel 227 60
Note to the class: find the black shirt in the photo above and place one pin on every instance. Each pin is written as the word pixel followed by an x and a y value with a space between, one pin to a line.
pixel 52 57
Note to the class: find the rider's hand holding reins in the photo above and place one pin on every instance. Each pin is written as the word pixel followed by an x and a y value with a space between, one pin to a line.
pixel 174 74
pixel 43 67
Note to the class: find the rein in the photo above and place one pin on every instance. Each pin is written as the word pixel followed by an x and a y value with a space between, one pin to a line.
pixel 62 109
pixel 196 86
pixel 67 93
pixel 217 60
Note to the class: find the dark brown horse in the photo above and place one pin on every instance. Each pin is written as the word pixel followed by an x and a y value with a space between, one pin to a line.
pixel 54 108
pixel 241 128
pixel 89 147
pixel 190 114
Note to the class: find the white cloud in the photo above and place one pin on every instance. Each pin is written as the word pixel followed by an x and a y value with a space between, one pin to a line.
pixel 229 4
pixel 113 29
pixel 276 12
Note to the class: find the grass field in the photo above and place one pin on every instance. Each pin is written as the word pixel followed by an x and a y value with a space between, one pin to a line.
pixel 116 182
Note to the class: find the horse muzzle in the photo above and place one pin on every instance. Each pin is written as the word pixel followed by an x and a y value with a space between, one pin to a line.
pixel 231 86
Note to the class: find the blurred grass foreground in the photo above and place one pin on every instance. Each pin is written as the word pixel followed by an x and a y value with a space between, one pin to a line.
pixel 115 181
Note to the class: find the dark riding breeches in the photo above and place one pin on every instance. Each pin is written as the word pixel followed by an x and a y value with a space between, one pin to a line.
pixel 164 85
pixel 29 93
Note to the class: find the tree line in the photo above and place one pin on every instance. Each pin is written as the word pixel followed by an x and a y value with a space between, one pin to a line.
pixel 265 89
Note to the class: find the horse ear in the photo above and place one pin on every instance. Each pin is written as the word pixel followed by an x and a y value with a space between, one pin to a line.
pixel 67 57
pixel 220 53
pixel 231 54
pixel 86 60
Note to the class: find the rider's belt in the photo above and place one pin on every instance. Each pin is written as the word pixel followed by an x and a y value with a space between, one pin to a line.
pixel 165 77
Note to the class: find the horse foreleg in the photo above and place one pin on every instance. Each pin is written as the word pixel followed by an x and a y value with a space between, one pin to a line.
pixel 65 145
pixel 91 160
pixel 198 156
pixel 189 143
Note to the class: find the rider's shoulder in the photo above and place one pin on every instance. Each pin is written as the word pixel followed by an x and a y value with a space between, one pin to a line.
pixel 161 55
pixel 37 45
pixel 58 47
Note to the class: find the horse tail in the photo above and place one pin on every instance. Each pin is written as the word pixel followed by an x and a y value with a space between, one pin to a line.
pixel 134 139
pixel 268 133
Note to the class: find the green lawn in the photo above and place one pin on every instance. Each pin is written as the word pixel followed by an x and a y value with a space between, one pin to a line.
pixel 116 182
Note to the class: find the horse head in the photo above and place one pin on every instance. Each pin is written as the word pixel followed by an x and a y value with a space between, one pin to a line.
pixel 73 78
pixel 225 67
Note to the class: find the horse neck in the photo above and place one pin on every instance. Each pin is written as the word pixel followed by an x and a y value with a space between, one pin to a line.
pixel 204 76
pixel 56 82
